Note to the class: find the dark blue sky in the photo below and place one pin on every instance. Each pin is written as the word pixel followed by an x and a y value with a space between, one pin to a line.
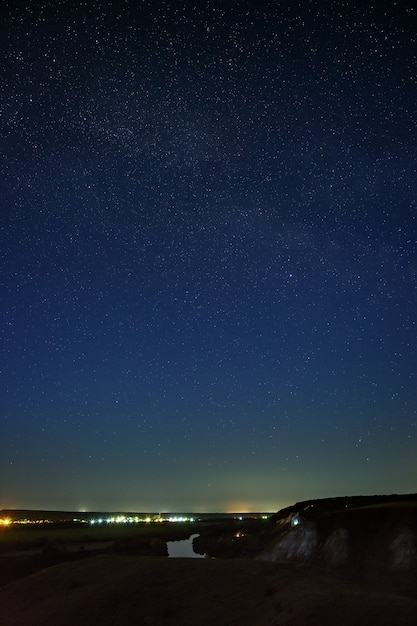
pixel 209 263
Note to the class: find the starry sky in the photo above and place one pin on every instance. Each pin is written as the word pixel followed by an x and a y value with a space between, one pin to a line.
pixel 208 253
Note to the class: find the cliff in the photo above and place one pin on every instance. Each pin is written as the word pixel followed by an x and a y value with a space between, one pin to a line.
pixel 370 539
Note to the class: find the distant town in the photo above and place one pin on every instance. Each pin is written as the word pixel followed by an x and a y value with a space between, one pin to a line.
pixel 10 517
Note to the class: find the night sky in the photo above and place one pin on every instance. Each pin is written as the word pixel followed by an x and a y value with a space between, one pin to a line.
pixel 208 253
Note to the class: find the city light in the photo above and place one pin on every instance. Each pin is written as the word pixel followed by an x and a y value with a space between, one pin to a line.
pixel 121 519
pixel 118 519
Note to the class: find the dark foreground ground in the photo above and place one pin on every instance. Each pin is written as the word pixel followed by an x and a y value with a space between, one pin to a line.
pixel 339 562
pixel 130 590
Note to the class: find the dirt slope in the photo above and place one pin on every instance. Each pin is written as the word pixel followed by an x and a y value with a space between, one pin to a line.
pixel 112 590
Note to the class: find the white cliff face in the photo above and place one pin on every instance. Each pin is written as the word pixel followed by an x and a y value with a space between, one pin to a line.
pixel 299 544
pixel 403 550
pixel 381 547
pixel 335 551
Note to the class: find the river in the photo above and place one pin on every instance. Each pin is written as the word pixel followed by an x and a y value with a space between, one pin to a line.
pixel 183 548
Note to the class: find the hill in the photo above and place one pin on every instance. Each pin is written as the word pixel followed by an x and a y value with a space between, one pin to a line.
pixel 132 590
pixel 368 539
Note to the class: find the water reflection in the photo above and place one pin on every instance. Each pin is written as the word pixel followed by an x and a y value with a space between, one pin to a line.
pixel 183 548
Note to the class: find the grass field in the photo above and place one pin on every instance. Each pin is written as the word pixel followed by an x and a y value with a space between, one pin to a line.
pixel 27 537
